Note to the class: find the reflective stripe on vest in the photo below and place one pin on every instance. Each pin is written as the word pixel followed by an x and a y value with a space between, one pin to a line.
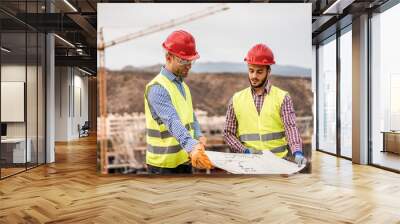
pixel 166 134
pixel 262 130
pixel 164 150
pixel 280 149
pixel 265 137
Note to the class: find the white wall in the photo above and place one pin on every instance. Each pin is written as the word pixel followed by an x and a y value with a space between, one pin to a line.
pixel 61 103
pixel 12 73
pixel 80 110
pixel 71 94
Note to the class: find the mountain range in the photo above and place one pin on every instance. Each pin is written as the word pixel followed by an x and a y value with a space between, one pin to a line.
pixel 211 92
pixel 229 67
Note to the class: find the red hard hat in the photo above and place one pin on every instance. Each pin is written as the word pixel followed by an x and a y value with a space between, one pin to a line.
pixel 182 44
pixel 260 54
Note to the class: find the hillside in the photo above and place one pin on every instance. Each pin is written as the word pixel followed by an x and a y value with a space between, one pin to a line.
pixel 230 67
pixel 210 92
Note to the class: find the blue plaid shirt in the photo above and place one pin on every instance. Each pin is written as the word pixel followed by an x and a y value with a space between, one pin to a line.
pixel 162 109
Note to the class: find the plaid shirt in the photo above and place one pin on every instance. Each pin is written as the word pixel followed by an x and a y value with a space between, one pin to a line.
pixel 288 117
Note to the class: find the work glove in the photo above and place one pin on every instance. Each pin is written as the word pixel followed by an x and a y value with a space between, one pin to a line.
pixel 252 151
pixel 203 140
pixel 299 158
pixel 199 158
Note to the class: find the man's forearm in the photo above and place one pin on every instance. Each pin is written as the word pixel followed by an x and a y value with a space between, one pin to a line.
pixel 177 130
pixel 234 143
pixel 289 119
pixel 196 127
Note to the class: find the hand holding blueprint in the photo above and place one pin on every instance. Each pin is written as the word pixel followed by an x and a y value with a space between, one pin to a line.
pixel 266 163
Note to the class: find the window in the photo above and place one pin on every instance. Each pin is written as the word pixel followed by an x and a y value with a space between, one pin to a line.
pixel 385 89
pixel 22 76
pixel 327 96
pixel 346 93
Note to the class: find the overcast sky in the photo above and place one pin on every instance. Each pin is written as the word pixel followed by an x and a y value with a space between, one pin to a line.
pixel 222 37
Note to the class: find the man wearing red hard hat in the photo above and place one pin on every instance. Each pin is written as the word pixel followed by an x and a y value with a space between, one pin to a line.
pixel 174 139
pixel 261 117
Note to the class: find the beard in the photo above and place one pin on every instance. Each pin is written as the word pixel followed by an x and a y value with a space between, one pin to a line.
pixel 182 72
pixel 258 83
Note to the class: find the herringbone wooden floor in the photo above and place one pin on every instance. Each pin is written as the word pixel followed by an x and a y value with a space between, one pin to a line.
pixel 70 191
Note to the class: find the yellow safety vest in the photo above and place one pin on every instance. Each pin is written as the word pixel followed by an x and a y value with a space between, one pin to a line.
pixel 164 150
pixel 264 131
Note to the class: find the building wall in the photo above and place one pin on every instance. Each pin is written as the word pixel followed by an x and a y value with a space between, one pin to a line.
pixel 71 102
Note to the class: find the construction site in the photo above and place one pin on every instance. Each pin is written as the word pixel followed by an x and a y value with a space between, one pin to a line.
pixel 127 139
pixel 125 128
pixel 73 123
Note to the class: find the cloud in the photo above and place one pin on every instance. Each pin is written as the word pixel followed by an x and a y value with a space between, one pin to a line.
pixel 225 36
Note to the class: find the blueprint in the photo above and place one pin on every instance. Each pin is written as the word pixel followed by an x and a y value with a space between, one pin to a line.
pixel 266 163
